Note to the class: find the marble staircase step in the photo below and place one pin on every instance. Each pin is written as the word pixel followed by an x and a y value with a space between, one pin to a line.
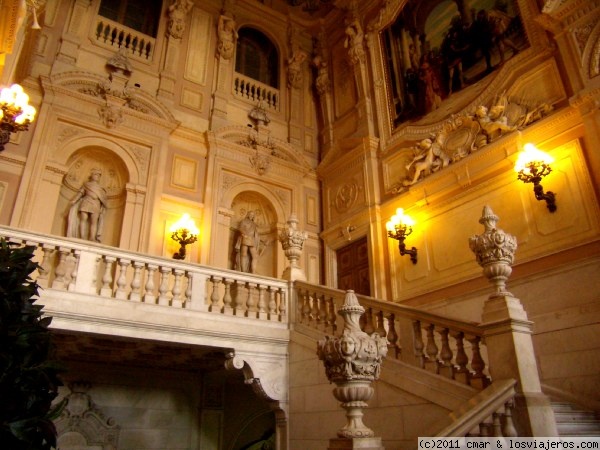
pixel 574 421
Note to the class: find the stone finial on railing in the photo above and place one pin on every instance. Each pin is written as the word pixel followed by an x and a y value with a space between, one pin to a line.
pixel 495 251
pixel 353 362
pixel 292 242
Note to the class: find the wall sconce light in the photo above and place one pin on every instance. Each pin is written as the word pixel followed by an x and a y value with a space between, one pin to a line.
pixel 184 232
pixel 15 112
pixel 531 166
pixel 399 227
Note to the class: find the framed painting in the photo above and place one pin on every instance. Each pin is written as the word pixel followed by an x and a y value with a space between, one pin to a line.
pixel 436 49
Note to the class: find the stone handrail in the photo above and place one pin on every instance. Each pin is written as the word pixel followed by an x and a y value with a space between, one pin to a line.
pixel 255 91
pixel 488 413
pixel 94 269
pixel 116 36
pixel 441 345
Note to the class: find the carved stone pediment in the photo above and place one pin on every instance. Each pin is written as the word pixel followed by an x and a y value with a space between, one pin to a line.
pixel 81 84
pixel 264 147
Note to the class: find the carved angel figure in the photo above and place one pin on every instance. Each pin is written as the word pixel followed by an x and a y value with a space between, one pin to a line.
pixel 429 157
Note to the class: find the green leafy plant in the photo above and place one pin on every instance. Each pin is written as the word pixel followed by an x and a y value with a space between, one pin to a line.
pixel 28 375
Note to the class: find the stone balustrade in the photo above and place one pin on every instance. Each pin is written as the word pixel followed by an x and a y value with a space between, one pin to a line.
pixel 255 91
pixel 93 269
pixel 444 346
pixel 116 36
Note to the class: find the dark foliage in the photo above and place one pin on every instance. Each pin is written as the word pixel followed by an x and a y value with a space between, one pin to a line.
pixel 28 376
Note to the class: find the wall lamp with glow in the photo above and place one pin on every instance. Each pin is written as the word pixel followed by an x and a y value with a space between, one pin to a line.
pixel 15 112
pixel 399 227
pixel 531 166
pixel 184 232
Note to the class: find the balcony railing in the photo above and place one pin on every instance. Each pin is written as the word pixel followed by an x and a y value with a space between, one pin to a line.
pixel 254 91
pixel 93 269
pixel 444 346
pixel 115 35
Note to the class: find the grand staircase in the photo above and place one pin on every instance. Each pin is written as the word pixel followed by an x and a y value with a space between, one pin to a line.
pixel 573 421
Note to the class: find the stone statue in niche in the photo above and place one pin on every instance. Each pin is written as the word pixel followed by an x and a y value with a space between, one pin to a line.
pixel 86 214
pixel 247 244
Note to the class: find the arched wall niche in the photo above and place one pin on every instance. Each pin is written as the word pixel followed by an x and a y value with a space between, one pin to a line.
pixel 265 218
pixel 114 180
pixel 135 163
pixel 270 214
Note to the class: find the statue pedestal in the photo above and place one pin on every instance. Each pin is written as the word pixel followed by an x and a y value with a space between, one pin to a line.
pixel 370 443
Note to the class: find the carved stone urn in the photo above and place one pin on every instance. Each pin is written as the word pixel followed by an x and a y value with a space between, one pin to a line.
pixel 494 250
pixel 292 242
pixel 352 361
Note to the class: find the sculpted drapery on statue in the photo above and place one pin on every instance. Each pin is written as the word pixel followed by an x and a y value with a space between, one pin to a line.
pixel 86 215
pixel 247 243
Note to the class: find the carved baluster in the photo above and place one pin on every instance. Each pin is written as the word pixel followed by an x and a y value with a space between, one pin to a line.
pixel 484 429
pixel 316 310
pixel 238 301
pixel 418 344
pixel 250 303
pixel 136 282
pixel 380 328
pixel 509 429
pixel 332 315
pixel 149 296
pixel 461 373
pixel 188 288
pixel 272 304
pixel 214 297
pixel 496 426
pixel 163 287
pixel 262 303
pixel 176 301
pixel 227 300
pixel 282 305
pixel 431 349
pixel 446 367
pixel 44 268
pixel 478 378
pixel 392 337
pixel 61 269
pixel 106 289
pixel 122 278
pixel 369 328
pixel 72 284
pixel 305 308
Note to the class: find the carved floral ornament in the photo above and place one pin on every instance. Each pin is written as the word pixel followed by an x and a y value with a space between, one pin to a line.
pixel 461 135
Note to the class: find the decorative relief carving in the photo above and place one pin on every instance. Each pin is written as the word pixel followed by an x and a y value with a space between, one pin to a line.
pixel 229 181
pixel 260 163
pixel 594 69
pixel 67 133
pixel 111 116
pixel 142 156
pixel 581 35
pixel 463 134
pixel 346 196
pixel 82 417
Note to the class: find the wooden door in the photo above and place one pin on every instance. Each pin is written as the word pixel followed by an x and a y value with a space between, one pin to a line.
pixel 353 267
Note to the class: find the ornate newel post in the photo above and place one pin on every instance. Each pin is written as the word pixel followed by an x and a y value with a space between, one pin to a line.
pixel 292 241
pixel 495 251
pixel 507 331
pixel 353 361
